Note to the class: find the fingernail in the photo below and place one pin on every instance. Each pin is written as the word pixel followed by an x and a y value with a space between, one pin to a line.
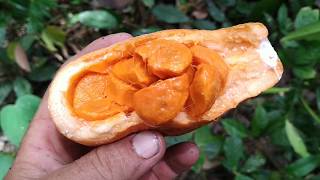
pixel 146 144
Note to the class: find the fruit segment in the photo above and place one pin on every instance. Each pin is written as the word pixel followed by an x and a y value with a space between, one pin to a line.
pixel 120 92
pixel 98 109
pixel 90 98
pixel 133 71
pixel 162 101
pixel 208 56
pixel 205 88
pixel 91 86
pixel 165 58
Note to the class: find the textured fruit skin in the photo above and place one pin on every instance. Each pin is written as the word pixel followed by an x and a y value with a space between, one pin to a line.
pixel 249 73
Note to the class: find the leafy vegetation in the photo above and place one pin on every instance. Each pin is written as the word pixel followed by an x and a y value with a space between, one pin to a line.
pixel 273 136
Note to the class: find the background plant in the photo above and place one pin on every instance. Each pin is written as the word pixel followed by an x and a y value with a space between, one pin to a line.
pixel 273 136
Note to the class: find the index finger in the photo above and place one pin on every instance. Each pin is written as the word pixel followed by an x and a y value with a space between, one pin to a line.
pixel 103 42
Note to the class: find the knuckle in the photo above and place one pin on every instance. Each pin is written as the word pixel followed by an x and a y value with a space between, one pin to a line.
pixel 101 163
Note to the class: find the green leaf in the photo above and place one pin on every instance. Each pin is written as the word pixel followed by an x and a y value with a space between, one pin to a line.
pixel 318 98
pixel 29 103
pixel 39 62
pixel 253 163
pixel 148 3
pixel 11 50
pixel 297 55
pixel 6 161
pixel 183 2
pixel 21 86
pixel 305 17
pixel 290 44
pixel 303 166
pixel 244 7
pixel 52 36
pixel 233 151
pixel 208 143
pixel 147 30
pixel 15 118
pixel 283 20
pixel 227 3
pixel 169 14
pixel 310 111
pixel 269 20
pixel 203 135
pixel 172 140
pixel 295 140
pixel 27 41
pixel 277 90
pixel 263 174
pixel 234 128
pixel 295 6
pixel 308 32
pixel 276 121
pixel 43 73
pixel 304 72
pixel 264 7
pixel 259 122
pixel 5 89
pixel 77 2
pixel 2 34
pixel 20 57
pixel 315 177
pixel 242 177
pixel 213 148
pixel 282 16
pixel 197 167
pixel 280 138
pixel 215 12
pixel 34 26
pixel 101 19
pixel 275 175
pixel 204 24
pixel 38 11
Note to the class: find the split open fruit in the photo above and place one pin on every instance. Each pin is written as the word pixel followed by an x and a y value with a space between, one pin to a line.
pixel 172 81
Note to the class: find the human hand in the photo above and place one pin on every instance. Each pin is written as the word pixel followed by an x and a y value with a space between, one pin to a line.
pixel 46 154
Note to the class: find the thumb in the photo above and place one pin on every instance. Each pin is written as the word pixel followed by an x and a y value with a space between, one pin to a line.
pixel 129 158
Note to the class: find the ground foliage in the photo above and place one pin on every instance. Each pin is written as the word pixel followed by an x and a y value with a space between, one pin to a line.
pixel 273 136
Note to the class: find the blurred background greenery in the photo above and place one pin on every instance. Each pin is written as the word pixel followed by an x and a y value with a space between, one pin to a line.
pixel 273 136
